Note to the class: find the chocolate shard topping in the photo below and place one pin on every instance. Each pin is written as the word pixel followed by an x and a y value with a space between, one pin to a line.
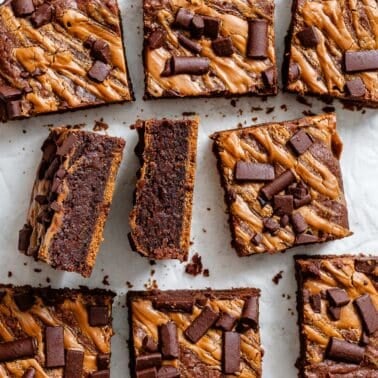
pixel 98 316
pixel 355 87
pixel 14 109
pixel 54 341
pixel 183 18
pixel 168 372
pixel 103 361
pixel 305 239
pixel 257 45
pixel 225 322
pixel 250 314
pixel 299 202
pixel 167 71
pixel 256 239
pixel 300 142
pixel 283 204
pixel 279 184
pixel 223 46
pixel 42 16
pixel 294 72
pixel 368 313
pixel 147 373
pixel 197 26
pixel 357 61
pixel 316 302
pixel 270 225
pixel 201 324
pixel 269 77
pixel 169 340
pixel 246 171
pixel 284 221
pixel 24 238
pixel 8 93
pixel 212 27
pixel 309 37
pixel 177 305
pixel 29 373
pixel 149 344
pixel 99 71
pixel 101 50
pixel 22 8
pixel 74 364
pixel 364 340
pixel 334 312
pixel 344 351
pixel 189 44
pixel 156 39
pixel 190 65
pixel 18 349
pixel 148 361
pixel 231 352
pixel 299 223
pixel 338 297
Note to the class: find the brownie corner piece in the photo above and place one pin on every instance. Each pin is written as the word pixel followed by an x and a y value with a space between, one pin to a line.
pixel 161 217
pixel 210 48
pixel 319 62
pixel 337 304
pixel 283 184
pixel 59 56
pixel 173 332
pixel 71 199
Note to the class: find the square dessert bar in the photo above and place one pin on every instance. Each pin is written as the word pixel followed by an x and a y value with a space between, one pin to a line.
pixel 283 184
pixel 60 55
pixel 338 315
pixel 209 48
pixel 332 51
pixel 161 217
pixel 71 198
pixel 195 333
pixel 55 332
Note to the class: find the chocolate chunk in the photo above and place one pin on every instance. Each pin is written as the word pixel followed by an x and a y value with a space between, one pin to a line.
pixel 299 223
pixel 294 72
pixel 149 344
pixel 88 43
pixel 197 26
pixel 283 204
pixel 189 44
pixel 257 45
pixel 222 46
pixel 74 364
pixel 225 322
pixel 14 109
pixel 156 39
pixel 270 225
pixel 299 202
pixel 231 352
pixel 29 373
pixel 17 349
pixel 338 297
pixel 101 50
pixel 298 191
pixel 168 372
pixel 269 77
pixel 148 361
pixel 147 373
pixel 246 171
pixel 103 361
pixel 284 221
pixel 357 61
pixel 177 305
pixel 355 87
pixel 22 8
pixel 344 351
pixel 364 339
pixel 201 324
pixel 212 27
pixel 24 237
pixel 334 312
pixel 66 146
pixel 167 71
pixel 169 340
pixel 8 93
pixel 316 302
pixel 54 341
pixel 305 239
pixel 24 301
pixel 256 239
pixel 42 15
pixel 190 65
pixel 279 184
pixel 98 316
pixel 41 199
pixel 184 18
pixel 300 142
pixel 365 266
pixel 368 313
pixel 309 37
pixel 101 374
pixel 52 168
pixel 99 71
pixel 250 314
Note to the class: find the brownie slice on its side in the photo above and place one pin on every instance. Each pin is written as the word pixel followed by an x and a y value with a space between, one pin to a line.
pixel 71 198
pixel 55 332
pixel 195 333
pixel 161 217
pixel 283 184
pixel 337 304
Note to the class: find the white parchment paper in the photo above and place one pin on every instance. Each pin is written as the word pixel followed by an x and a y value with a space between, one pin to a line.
pixel 20 154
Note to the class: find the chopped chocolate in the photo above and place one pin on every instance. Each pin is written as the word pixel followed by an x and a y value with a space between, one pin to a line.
pixel 156 39
pixel 177 305
pixel 22 8
pixel 283 204
pixel 305 239
pixel 250 314
pixel 24 300
pixel 355 87
pixel 184 18
pixel 101 50
pixel 309 37
pixel 305 200
pixel 54 347
pixel 284 221
pixel 197 26
pixel 148 361
pixel 344 351
pixel 316 303
pixel 195 267
pixel 168 372
pixel 257 45
pixel 365 266
pixel 223 46
pixel 74 364
pixel 225 322
pixel 338 297
pixel 147 373
pixel 299 223
pixel 231 352
pixel 200 325
pixel 42 16
pixel 364 340
pixel 270 225
pixel 368 313
pixel 30 373
pixel 278 184
pixel 257 239
pixel 103 361
pixel 98 316
pixel 294 72
pixel 357 61
pixel 334 312
pixel 18 349
pixel 24 238
pixel 300 142
pixel 99 71
pixel 101 374
pixel 246 171
pixel 169 340
pixel 190 65
pixel 269 77
pixel 8 93
pixel 189 44
pixel 14 109
pixel 212 27
pixel 167 71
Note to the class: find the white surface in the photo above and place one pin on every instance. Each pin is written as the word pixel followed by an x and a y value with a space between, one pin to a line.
pixel 20 154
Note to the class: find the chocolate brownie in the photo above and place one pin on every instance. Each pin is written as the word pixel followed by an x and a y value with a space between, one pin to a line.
pixel 331 50
pixel 161 217
pixel 60 55
pixel 195 333
pixel 209 48
pixel 55 332
pixel 71 198
pixel 283 184
pixel 338 315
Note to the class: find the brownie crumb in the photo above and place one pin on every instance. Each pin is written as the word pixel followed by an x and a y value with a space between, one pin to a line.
pixel 308 113
pixel 152 272
pixel 152 262
pixel 37 270
pixel 151 285
pixel 302 100
pixel 254 119
pixel 256 108
pixel 328 109
pixel 48 280
pixel 188 114
pixel 276 279
pixel 10 274
pixel 269 110
pixel 129 284
pixel 206 273
pixel 100 126
pixel 284 107
pixel 233 103
pixel 195 267
pixel 105 281
pixel 208 209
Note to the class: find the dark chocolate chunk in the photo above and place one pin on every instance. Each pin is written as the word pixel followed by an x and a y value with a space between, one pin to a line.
pixel 167 71
pixel 156 39
pixel 24 301
pixel 279 184
pixel 8 93
pixel 98 316
pixel 99 71
pixel 299 223
pixel 66 146
pixel 334 312
pixel 246 171
pixel 29 373
pixel 256 239
pixel 283 204
pixel 101 374
pixel 364 339
pixel 231 352
pixel 294 72
pixel 305 239
pixel 368 313
pixel 197 26
pixel 338 297
pixel 190 65
pixel 54 341
pixel 212 27
pixel 270 225
pixel 74 364
pixel 300 142
pixel 169 340
pixel 148 361
pixel 149 344
pixel 147 373
pixel 222 46
pixel 299 202
pixel 14 109
pixel 22 8
pixel 177 305
pixel 189 44
pixel 52 168
pixel 355 87
pixel 24 237
pixel 225 322
pixel 344 351
pixel 250 314
pixel 183 18
pixel 365 266
pixel 103 361
pixel 316 302
pixel 257 45
pixel 357 61
pixel 42 16
pixel 17 349
pixel 101 50
pixel 284 221
pixel 269 77
pixel 309 37
pixel 168 372
pixel 201 324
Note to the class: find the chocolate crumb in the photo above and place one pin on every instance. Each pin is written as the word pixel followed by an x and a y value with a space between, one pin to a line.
pixel 37 270
pixel 233 103
pixel 302 100
pixel 269 110
pixel 308 113
pixel 129 284
pixel 105 281
pixel 48 280
pixel 328 109
pixel 100 126
pixel 188 114
pixel 195 267
pixel 284 107
pixel 206 273
pixel 152 262
pixel 10 274
pixel 254 119
pixel 276 279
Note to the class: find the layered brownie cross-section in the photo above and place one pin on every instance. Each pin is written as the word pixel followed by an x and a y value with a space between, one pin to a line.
pixel 338 315
pixel 161 217
pixel 55 332
pixel 71 198
pixel 199 333
pixel 209 48
pixel 60 55
pixel 332 50
pixel 283 184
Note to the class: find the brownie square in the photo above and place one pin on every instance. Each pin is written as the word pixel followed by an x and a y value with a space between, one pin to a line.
pixel 195 333
pixel 47 332
pixel 283 184
pixel 338 315
pixel 161 217
pixel 60 55
pixel 71 198
pixel 331 51
pixel 209 48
